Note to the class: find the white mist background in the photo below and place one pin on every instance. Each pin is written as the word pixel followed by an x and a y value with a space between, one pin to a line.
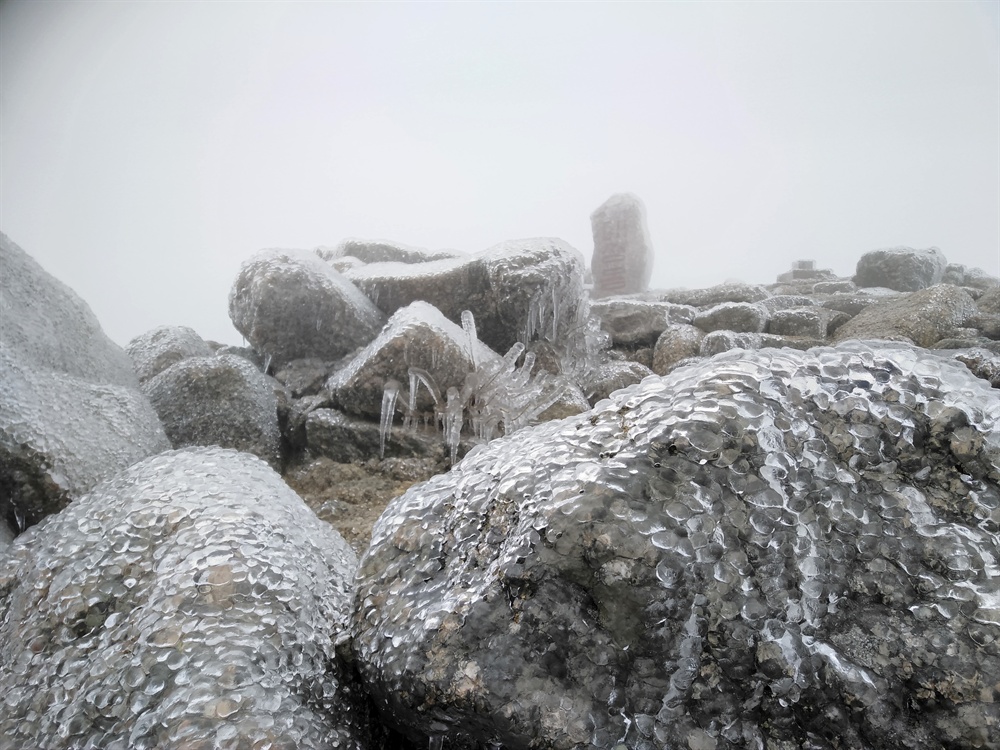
pixel 147 149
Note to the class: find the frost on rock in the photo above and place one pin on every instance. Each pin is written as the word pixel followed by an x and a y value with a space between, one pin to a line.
pixel 60 435
pixel 519 290
pixel 381 251
pixel 46 326
pixel 222 400
pixel 193 601
pixel 155 350
pixel 290 305
pixel 765 549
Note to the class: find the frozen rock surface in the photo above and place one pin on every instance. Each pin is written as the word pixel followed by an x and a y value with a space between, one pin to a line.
pixel 716 295
pixel 519 290
pixel 901 268
pixel 920 318
pixel 156 350
pixel 60 435
pixel 678 342
pixel 634 322
pixel 767 549
pixel 740 317
pixel 46 326
pixel 192 601
pixel 623 252
pixel 218 400
pixel 381 251
pixel 290 305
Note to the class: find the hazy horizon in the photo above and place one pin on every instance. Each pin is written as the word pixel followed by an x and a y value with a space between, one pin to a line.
pixel 148 149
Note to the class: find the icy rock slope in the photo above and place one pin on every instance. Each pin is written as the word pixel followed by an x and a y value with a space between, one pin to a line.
pixel 193 601
pixel 765 549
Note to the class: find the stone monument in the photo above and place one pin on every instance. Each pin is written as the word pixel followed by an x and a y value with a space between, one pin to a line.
pixel 623 252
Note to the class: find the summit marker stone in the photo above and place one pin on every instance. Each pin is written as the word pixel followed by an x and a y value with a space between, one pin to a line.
pixel 623 253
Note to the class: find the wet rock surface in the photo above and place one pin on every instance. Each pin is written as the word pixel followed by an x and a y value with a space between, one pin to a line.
pixel 192 601
pixel 219 400
pixel 767 549
pixel 291 305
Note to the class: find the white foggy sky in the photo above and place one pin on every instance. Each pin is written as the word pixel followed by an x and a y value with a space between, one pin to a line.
pixel 148 148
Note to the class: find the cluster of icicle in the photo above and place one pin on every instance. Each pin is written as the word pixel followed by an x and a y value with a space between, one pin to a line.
pixel 498 397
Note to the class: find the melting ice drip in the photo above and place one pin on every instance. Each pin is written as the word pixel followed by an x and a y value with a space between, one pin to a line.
pixel 497 398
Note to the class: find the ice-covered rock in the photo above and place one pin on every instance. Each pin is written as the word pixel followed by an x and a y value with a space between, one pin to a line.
pixel 800 321
pixel 623 252
pixel 920 318
pixel 901 268
pixel 717 342
pixel 46 326
pixel 290 305
pixel 519 290
pixel 220 400
pixel 715 295
pixel 767 549
pixel 633 322
pixel 332 434
pixel 741 317
pixel 303 377
pixel 380 251
pixel 156 350
pixel 678 342
pixel 602 380
pixel 193 601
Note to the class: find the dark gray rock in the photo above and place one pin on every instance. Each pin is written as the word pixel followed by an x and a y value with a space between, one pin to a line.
pixel 381 251
pixel 989 302
pixel 920 318
pixel 623 252
pixel 245 352
pixel 60 435
pixel 983 364
pixel 803 321
pixel 851 303
pixel 193 601
pixel 741 317
pixel 717 342
pixel 303 377
pixel 768 549
pixel 519 290
pixel 46 326
pixel 678 342
pixel 901 268
pixel 976 278
pixel 611 376
pixel 291 305
pixel 802 343
pixel 156 350
pixel 987 324
pixel 221 400
pixel 634 322
pixel 715 295
pixel 344 439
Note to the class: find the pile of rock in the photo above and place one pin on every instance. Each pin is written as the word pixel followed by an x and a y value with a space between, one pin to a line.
pixel 786 537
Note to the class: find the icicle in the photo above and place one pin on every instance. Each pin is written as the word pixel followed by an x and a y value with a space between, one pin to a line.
pixel 422 376
pixel 389 395
pixel 453 417
pixel 469 325
pixel 436 742
pixel 267 364
pixel 523 374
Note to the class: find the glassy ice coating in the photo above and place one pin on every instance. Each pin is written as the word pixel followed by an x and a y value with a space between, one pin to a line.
pixel 193 601
pixel 765 549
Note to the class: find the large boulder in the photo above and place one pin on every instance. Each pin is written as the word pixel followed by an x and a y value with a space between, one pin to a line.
pixel 193 601
pixel 715 295
pixel 920 318
pixel 741 317
pixel 767 549
pixel 678 342
pixel 219 400
pixel 46 326
pixel 290 305
pixel 635 322
pixel 623 252
pixel 155 350
pixel 519 290
pixel 61 435
pixel 901 268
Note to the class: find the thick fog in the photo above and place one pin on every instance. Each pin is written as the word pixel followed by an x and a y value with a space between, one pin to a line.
pixel 147 149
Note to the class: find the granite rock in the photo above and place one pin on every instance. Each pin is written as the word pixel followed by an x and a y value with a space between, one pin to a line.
pixel 901 268
pixel 156 350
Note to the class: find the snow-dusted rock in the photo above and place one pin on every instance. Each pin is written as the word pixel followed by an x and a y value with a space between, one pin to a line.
pixel 901 268
pixel 380 251
pixel 290 305
pixel 220 400
pixel 921 318
pixel 193 601
pixel 156 350
pixel 623 252
pixel 46 326
pixel 767 549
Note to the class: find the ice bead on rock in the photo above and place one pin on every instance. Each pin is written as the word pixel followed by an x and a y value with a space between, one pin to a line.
pixel 290 305
pixel 157 349
pixel 191 601
pixel 704 559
